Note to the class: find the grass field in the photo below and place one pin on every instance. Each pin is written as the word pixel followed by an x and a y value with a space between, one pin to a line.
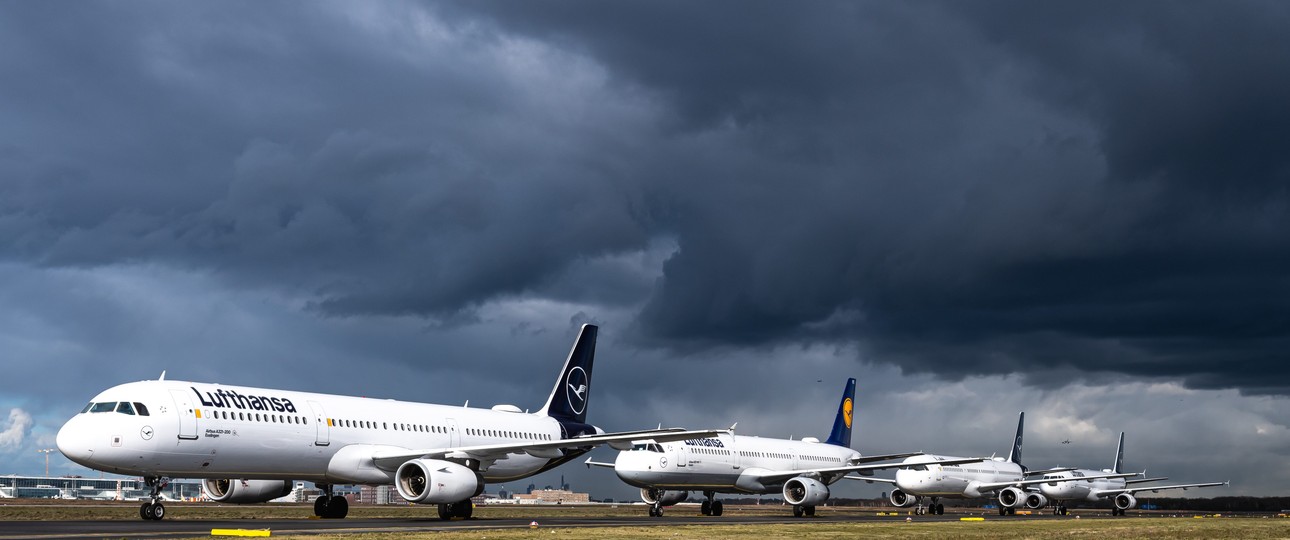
pixel 994 527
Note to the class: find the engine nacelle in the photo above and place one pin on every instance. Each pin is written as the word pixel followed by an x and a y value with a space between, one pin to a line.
pixel 1124 501
pixel 433 481
pixel 1035 501
pixel 1012 497
pixel 900 499
pixel 805 491
pixel 235 491
pixel 667 498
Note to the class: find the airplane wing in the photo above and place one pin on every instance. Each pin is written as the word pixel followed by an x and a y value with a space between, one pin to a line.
pixel 1049 471
pixel 774 477
pixel 392 459
pixel 883 457
pixel 1142 480
pixel 1153 489
pixel 870 479
pixel 1054 481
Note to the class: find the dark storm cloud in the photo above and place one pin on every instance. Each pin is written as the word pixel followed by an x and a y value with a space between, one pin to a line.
pixel 956 188
pixel 971 187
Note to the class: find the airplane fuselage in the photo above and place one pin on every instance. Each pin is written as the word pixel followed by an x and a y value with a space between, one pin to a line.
pixel 1085 490
pixel 726 463
pixel 200 430
pixel 923 476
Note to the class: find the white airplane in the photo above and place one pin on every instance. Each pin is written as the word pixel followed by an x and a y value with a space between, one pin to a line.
pixel 1116 487
pixel 935 477
pixel 250 444
pixel 802 470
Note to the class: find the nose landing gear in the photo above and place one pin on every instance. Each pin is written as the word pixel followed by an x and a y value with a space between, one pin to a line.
pixel 153 510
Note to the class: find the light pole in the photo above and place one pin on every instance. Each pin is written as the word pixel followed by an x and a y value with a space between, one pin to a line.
pixel 47 451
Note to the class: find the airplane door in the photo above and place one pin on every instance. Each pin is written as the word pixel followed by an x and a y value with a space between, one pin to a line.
pixel 322 429
pixel 453 438
pixel 187 414
pixel 682 459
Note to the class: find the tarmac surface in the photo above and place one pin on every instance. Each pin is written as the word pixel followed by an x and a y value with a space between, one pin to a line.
pixel 187 528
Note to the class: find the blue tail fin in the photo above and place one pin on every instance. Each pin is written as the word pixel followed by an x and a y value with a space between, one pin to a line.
pixel 1119 454
pixel 568 401
pixel 1015 455
pixel 841 434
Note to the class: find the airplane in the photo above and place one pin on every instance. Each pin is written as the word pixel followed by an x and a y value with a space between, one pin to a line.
pixel 250 444
pixel 1118 489
pixel 801 470
pixel 936 477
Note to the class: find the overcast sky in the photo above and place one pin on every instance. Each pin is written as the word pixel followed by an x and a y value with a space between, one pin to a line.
pixel 1080 210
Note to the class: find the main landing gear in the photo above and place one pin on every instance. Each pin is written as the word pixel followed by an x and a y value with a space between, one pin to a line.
pixel 153 509
pixel 710 506
pixel 1005 511
pixel 1117 511
pixel 462 509
pixel 329 506
pixel 935 508
pixel 1059 510
pixel 803 511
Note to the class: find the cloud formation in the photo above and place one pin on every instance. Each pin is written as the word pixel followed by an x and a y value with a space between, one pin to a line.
pixel 942 191
pixel 16 429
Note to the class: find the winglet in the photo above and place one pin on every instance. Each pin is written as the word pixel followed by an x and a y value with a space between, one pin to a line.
pixel 732 427
pixel 163 376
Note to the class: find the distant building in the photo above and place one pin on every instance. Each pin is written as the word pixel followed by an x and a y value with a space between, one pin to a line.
pixel 110 489
pixel 553 496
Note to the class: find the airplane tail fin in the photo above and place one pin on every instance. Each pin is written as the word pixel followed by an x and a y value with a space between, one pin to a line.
pixel 568 401
pixel 841 434
pixel 1015 455
pixel 1119 455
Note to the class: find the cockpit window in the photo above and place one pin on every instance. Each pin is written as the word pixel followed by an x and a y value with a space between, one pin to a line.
pixel 141 409
pixel 107 406
pixel 125 408
pixel 920 467
pixel 87 407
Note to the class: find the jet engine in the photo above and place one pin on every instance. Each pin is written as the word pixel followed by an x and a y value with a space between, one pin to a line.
pixel 244 491
pixel 667 498
pixel 1035 501
pixel 1124 501
pixel 433 481
pixel 901 499
pixel 1012 497
pixel 805 491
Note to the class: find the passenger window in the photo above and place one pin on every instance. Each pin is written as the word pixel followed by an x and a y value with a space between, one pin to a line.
pixel 107 406
pixel 141 409
pixel 125 408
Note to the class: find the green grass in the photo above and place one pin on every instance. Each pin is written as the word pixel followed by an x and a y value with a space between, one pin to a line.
pixel 692 526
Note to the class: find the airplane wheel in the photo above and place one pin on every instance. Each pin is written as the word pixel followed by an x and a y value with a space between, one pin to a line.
pixel 337 508
pixel 810 511
pixel 940 509
pixel 320 506
pixel 465 509
pixel 705 508
pixel 798 511
pixel 1003 511
pixel 143 510
pixel 158 511
pixel 656 510
pixel 716 508
pixel 444 513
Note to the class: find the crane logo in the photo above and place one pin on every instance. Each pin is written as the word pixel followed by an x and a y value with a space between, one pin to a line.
pixel 846 412
pixel 576 389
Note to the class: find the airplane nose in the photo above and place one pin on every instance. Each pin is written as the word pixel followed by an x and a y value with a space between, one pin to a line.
pixel 73 443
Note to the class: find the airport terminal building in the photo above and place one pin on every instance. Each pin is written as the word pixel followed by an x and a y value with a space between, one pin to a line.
pixel 110 489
